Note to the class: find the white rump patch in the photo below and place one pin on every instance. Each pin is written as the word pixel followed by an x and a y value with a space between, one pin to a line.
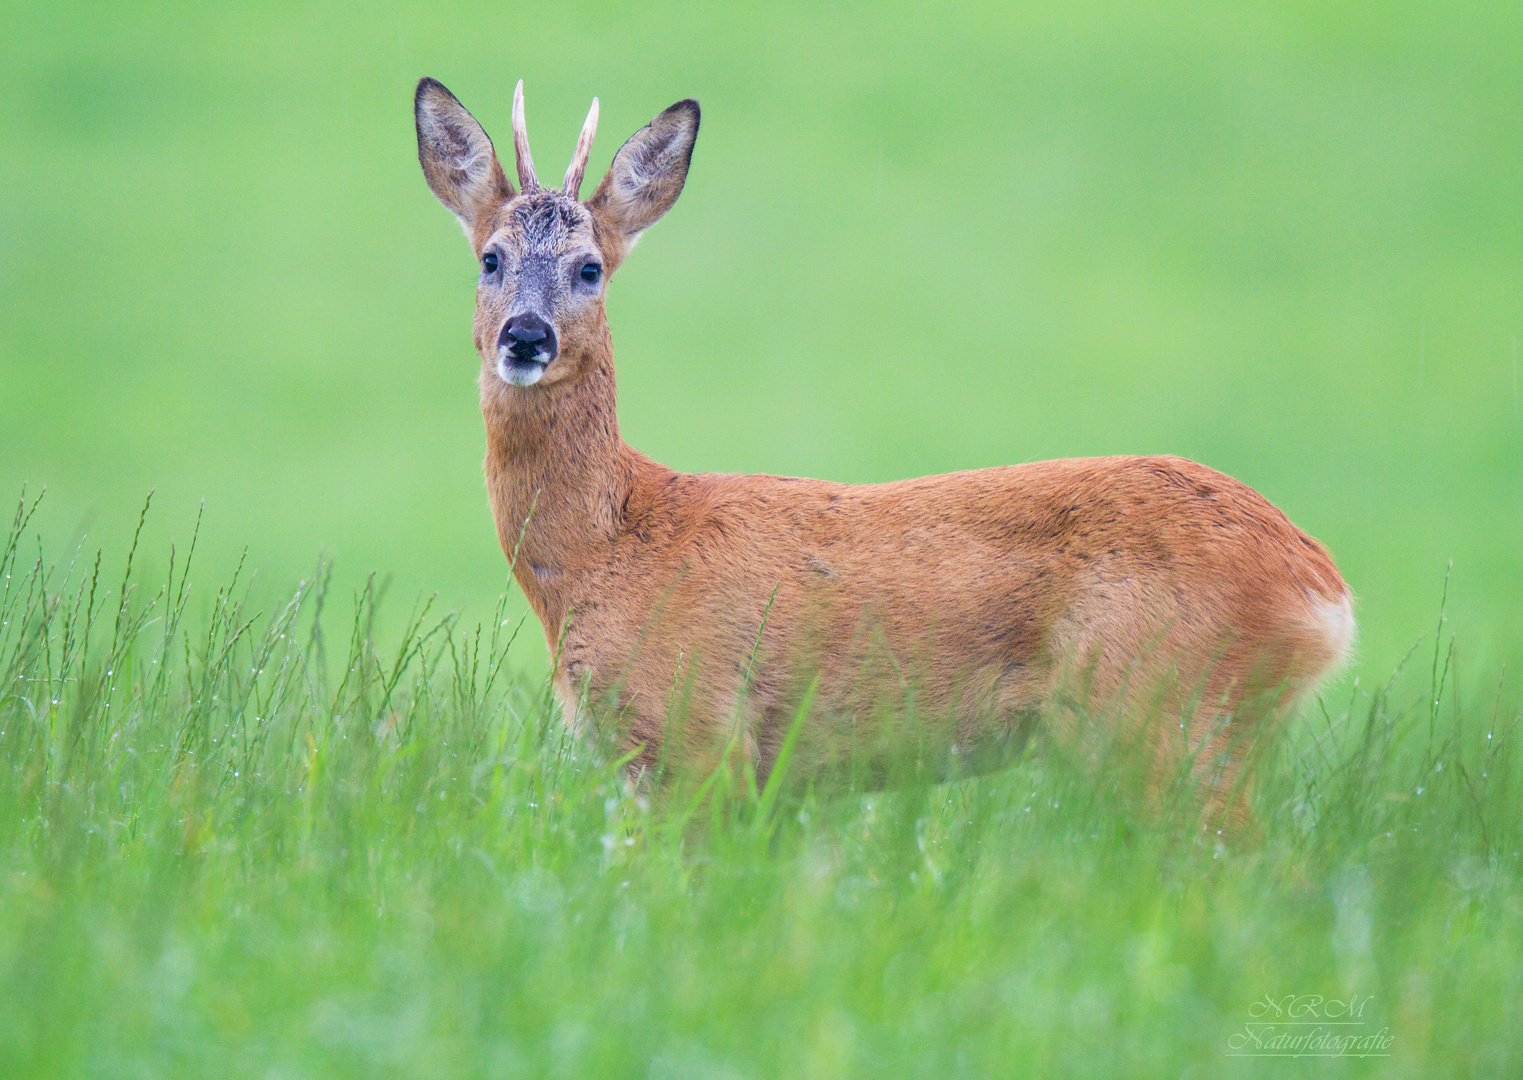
pixel 1333 622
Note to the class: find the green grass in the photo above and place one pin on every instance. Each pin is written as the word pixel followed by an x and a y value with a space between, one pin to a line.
pixel 253 844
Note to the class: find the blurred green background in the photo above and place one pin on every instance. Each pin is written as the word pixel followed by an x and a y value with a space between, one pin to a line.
pixel 1285 240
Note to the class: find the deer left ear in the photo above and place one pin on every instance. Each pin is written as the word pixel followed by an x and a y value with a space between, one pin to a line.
pixel 648 172
pixel 458 160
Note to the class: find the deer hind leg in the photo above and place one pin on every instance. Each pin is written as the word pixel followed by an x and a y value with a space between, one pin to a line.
pixel 1174 741
pixel 1223 754
pixel 1239 716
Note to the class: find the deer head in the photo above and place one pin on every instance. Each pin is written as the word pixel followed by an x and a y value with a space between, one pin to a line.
pixel 546 255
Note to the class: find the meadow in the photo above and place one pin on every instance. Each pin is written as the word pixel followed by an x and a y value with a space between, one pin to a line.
pixel 242 837
pixel 221 860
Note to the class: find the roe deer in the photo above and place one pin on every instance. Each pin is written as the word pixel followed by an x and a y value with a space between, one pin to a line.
pixel 1152 582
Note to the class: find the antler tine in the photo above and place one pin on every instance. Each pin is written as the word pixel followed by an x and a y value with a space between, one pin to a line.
pixel 526 178
pixel 578 166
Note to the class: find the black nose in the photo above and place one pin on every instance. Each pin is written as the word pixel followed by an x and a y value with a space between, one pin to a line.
pixel 528 337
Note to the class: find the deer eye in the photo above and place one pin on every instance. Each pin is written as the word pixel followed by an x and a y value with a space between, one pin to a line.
pixel 489 263
pixel 591 272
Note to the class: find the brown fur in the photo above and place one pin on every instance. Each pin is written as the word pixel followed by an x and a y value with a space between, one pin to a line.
pixel 1134 583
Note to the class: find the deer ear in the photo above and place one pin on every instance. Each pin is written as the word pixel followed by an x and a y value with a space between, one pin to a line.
pixel 648 172
pixel 458 160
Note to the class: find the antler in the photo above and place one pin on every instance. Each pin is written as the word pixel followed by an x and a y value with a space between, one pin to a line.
pixel 578 165
pixel 526 178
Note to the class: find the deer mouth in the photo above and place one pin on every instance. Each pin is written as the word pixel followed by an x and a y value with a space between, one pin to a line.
pixel 519 370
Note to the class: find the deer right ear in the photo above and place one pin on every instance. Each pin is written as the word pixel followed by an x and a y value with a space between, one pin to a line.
pixel 458 160
pixel 648 172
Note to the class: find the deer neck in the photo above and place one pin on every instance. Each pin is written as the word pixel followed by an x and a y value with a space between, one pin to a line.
pixel 558 475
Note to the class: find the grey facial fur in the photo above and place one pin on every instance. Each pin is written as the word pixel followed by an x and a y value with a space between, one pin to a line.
pixel 543 242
